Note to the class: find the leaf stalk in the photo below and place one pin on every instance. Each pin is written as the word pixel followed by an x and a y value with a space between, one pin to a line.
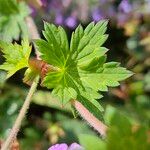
pixel 90 118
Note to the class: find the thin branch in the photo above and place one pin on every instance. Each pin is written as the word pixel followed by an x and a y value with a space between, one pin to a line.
pixel 33 35
pixel 20 117
pixel 90 118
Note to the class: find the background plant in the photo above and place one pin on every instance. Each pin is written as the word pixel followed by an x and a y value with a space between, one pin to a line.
pixel 131 97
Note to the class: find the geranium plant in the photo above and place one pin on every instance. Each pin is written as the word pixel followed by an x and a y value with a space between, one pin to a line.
pixel 76 71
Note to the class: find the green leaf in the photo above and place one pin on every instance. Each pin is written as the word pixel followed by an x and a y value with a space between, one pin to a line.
pixel 107 75
pixel 91 142
pixel 45 98
pixel 88 99
pixel 81 68
pixel 12 20
pixel 129 135
pixel 65 94
pixel 57 45
pixel 121 134
pixel 147 81
pixel 16 56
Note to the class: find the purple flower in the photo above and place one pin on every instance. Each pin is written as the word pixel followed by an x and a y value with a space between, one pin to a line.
pixel 125 6
pixel 63 146
pixel 33 11
pixel 44 2
pixel 59 19
pixel 97 15
pixel 55 4
pixel 71 22
pixel 75 146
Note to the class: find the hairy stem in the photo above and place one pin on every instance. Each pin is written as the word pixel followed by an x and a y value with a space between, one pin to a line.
pixel 20 117
pixel 90 118
pixel 33 35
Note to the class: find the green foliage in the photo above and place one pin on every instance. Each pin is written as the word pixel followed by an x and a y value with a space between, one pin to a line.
pixel 45 98
pixel 16 56
pixel 122 134
pixel 33 127
pixel 12 23
pixel 11 99
pixel 73 128
pixel 147 81
pixel 90 142
pixel 108 75
pixel 32 138
pixel 81 70
pixel 2 78
pixel 130 136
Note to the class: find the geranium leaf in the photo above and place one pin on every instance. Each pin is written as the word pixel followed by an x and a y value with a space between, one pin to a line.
pixel 82 68
pixel 12 20
pixel 16 56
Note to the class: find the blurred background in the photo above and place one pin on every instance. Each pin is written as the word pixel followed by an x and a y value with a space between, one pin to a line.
pixel 46 122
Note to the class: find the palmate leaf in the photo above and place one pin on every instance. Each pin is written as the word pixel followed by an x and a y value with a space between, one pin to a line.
pixel 16 56
pixel 81 68
pixel 108 75
pixel 12 20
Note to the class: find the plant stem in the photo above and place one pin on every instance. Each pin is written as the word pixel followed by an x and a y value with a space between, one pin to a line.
pixel 33 35
pixel 21 115
pixel 90 118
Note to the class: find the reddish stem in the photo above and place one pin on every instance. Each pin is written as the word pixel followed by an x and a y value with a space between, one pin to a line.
pixel 90 118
